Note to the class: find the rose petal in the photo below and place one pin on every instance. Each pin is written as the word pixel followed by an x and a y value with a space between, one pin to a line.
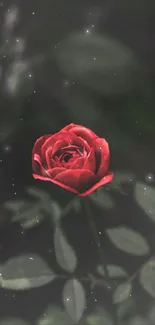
pixel 81 146
pixel 68 138
pixel 79 128
pixel 36 162
pixel 106 179
pixel 77 163
pixel 48 179
pixel 88 134
pixel 87 148
pixel 90 162
pixel 70 148
pixel 103 153
pixel 84 133
pixel 37 165
pixel 58 162
pixel 48 158
pixel 39 142
pixel 54 171
pixel 79 179
pixel 58 146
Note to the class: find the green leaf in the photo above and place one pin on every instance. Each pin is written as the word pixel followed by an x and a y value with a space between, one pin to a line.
pixel 74 299
pixel 122 292
pixel 147 277
pixel 25 272
pixel 113 271
pixel 111 73
pixel 65 254
pixel 14 205
pixel 26 212
pixel 38 194
pixel 76 205
pixel 100 317
pixel 121 178
pixel 34 221
pixel 30 216
pixel 54 316
pixel 128 240
pixel 145 197
pixel 125 307
pixel 13 321
pixel 55 211
pixel 47 204
pixel 103 199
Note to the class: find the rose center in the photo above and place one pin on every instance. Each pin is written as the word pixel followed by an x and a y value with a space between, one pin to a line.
pixel 67 157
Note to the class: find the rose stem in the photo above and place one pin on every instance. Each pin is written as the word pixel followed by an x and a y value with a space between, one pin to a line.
pixel 86 204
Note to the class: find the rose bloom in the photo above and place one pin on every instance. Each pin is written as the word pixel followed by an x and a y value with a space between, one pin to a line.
pixel 74 158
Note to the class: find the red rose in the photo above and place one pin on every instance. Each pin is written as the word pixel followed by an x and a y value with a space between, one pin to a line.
pixel 74 158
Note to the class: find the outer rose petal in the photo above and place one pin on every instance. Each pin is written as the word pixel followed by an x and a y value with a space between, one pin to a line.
pixel 102 149
pixel 81 131
pixel 84 133
pixel 39 142
pixel 106 179
pixel 78 179
pixel 37 165
pixel 36 162
pixel 48 179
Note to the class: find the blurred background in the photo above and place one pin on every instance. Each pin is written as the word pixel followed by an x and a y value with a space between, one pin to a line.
pixel 90 63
